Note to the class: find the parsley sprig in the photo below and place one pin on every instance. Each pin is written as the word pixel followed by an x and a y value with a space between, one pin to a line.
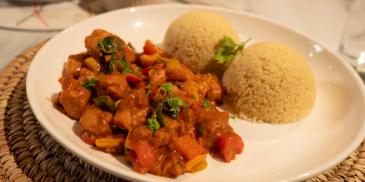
pixel 89 84
pixel 166 87
pixel 153 124
pixel 227 50
pixel 206 104
pixel 125 66
pixel 175 104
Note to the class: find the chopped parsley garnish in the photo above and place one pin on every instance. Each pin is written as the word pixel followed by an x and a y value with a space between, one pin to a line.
pixel 175 103
pixel 108 45
pixel 227 50
pixel 153 124
pixel 125 66
pixel 89 84
pixel 206 104
pixel 159 115
pixel 105 103
pixel 166 87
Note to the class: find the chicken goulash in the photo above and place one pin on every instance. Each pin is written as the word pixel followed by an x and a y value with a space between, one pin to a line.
pixel 146 106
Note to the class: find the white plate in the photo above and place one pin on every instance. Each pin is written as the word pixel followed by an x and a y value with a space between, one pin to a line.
pixel 296 151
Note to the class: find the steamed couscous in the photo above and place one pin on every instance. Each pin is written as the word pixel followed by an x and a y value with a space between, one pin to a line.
pixel 193 38
pixel 270 82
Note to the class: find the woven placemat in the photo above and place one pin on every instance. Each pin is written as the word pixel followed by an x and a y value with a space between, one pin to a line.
pixel 28 153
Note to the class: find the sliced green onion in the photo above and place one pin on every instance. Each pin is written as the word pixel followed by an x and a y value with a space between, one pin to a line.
pixel 105 103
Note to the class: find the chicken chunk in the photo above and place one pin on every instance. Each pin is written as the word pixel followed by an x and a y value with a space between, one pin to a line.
pixel 128 117
pixel 92 41
pixel 96 121
pixel 213 123
pixel 157 77
pixel 74 64
pixel 86 74
pixel 132 111
pixel 191 89
pixel 215 92
pixel 115 84
pixel 74 97
pixel 209 87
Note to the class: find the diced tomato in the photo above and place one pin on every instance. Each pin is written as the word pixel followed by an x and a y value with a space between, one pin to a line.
pixel 230 144
pixel 188 147
pixel 132 157
pixel 145 152
pixel 146 70
pixel 140 85
pixel 87 138
pixel 133 79
pixel 149 48
pixel 153 91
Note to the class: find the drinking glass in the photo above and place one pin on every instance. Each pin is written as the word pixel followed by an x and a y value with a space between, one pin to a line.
pixel 353 38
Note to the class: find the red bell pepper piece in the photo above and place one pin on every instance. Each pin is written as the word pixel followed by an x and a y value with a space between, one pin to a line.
pixel 230 144
pixel 188 147
pixel 146 70
pixel 145 154
pixel 149 48
pixel 133 79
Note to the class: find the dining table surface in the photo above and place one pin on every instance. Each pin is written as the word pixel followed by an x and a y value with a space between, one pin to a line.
pixel 322 20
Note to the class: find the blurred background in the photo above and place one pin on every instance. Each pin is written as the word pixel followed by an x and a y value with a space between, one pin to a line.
pixel 23 23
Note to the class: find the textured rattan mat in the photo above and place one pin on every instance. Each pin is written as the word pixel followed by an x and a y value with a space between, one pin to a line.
pixel 28 153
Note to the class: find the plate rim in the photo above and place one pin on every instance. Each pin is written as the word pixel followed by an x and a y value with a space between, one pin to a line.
pixel 131 175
